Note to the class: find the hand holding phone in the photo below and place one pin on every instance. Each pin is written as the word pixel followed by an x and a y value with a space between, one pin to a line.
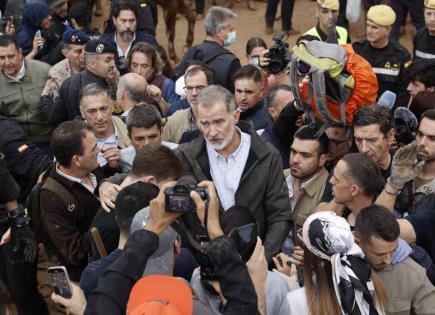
pixel 59 279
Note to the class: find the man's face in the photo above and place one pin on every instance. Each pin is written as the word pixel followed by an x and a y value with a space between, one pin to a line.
pixel 88 160
pixel 46 22
pixel 97 110
pixel 194 85
pixel 338 143
pixel 429 18
pixel 230 27
pixel 304 158
pixel 415 87
pixel 426 140
pixel 327 17
pixel 372 142
pixel 11 60
pixel 247 93
pixel 341 186
pixel 376 33
pixel 61 10
pixel 141 137
pixel 125 25
pixel 103 65
pixel 281 100
pixel 217 124
pixel 142 65
pixel 75 56
pixel 378 251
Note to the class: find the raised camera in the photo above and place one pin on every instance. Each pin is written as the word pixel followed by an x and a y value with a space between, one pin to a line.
pixel 279 55
pixel 177 198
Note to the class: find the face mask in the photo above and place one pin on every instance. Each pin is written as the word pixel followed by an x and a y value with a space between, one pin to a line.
pixel 231 38
pixel 255 62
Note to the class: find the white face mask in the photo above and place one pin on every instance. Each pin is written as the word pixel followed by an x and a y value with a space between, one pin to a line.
pixel 231 38
pixel 255 62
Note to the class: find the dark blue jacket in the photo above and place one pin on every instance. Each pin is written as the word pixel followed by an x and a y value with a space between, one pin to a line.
pixel 257 116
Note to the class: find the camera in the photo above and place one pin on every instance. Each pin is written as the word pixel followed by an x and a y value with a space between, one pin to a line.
pixel 279 55
pixel 177 198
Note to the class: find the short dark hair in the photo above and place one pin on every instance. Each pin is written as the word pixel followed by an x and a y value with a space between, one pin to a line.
pixel 248 72
pixel 143 116
pixel 272 92
pixel 147 49
pixel 130 200
pixel 311 132
pixel 121 5
pixel 429 114
pixel 208 72
pixel 423 71
pixel 67 140
pixel 365 172
pixel 6 41
pixel 158 161
pixel 254 42
pixel 374 115
pixel 376 220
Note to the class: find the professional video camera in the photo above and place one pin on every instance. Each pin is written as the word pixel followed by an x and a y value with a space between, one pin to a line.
pixel 279 55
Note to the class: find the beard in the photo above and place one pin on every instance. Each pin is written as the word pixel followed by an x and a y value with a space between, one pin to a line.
pixel 224 143
pixel 127 35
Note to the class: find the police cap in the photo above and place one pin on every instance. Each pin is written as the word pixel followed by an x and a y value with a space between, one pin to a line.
pixel 72 36
pixel 99 46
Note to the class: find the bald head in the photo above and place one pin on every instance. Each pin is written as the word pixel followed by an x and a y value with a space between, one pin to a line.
pixel 131 90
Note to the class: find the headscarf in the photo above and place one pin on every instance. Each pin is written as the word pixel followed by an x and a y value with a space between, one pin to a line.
pixel 328 236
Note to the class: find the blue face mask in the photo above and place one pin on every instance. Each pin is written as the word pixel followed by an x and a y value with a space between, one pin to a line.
pixel 231 38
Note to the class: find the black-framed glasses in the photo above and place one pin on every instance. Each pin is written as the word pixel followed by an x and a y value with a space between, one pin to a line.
pixel 199 88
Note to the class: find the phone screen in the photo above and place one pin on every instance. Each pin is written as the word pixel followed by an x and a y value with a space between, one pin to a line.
pixel 59 279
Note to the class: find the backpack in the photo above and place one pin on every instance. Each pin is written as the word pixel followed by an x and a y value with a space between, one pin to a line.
pixel 35 211
pixel 341 81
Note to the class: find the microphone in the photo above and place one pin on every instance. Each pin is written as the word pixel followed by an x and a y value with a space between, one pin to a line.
pixel 387 99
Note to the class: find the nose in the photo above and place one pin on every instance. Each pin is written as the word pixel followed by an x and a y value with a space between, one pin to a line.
pixel 364 147
pixel 99 116
pixel 409 87
pixel 387 259
pixel 213 131
pixel 421 141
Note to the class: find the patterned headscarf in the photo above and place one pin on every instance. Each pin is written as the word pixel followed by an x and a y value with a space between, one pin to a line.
pixel 328 236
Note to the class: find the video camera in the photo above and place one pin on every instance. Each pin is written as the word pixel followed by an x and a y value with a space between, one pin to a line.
pixel 279 55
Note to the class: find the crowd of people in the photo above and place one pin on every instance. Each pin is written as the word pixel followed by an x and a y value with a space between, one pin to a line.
pixel 223 185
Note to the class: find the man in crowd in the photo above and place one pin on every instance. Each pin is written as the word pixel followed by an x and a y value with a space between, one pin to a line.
pixel 421 75
pixel 111 134
pixel 100 67
pixel 249 94
pixel 387 57
pixel 406 282
pixel 326 30
pixel 220 28
pixel 340 142
pixel 246 170
pixel 401 8
pixel 124 16
pixel 131 91
pixel 21 83
pixel 73 43
pixel 66 222
pixel 59 20
pixel 424 40
pixel 144 125
pixel 182 122
pixel 80 15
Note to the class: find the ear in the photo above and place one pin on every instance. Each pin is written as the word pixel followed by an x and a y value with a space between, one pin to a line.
pixel 323 159
pixel 64 52
pixel 82 111
pixel 355 190
pixel 357 239
pixel 149 179
pixel 76 160
pixel 262 89
pixel 236 115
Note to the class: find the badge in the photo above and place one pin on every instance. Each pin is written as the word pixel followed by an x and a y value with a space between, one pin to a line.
pixel 100 48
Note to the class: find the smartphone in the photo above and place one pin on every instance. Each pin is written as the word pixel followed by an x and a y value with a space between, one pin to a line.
pixel 60 282
pixel 38 33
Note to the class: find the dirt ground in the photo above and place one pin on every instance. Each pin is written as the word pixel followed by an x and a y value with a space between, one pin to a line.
pixel 249 24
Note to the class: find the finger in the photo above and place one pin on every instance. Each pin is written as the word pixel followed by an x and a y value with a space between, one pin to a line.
pixel 419 167
pixel 200 205
pixel 276 263
pixel 58 299
pixel 210 188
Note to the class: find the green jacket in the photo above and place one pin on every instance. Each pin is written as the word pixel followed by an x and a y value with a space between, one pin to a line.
pixel 20 100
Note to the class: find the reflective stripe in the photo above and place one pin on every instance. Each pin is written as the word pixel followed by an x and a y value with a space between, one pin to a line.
pixel 393 72
pixel 424 55
pixel 341 31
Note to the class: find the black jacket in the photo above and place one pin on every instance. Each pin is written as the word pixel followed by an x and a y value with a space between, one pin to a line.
pixel 257 116
pixel 67 105
pixel 424 45
pixel 111 295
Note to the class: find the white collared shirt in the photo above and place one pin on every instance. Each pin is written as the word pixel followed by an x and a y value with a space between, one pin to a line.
pixel 19 75
pixel 121 54
pixel 79 180
pixel 111 141
pixel 227 172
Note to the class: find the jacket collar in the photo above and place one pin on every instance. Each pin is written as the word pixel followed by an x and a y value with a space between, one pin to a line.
pixel 93 77
pixel 312 187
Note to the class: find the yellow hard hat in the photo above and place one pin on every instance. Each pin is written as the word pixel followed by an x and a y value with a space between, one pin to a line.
pixel 382 15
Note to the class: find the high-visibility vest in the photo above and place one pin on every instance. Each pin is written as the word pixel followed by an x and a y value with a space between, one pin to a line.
pixel 341 31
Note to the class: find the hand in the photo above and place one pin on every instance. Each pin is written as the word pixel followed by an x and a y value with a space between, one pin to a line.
pixel 298 256
pixel 257 268
pixel 24 245
pixel 213 227
pixel 76 305
pixel 112 156
pixel 38 42
pixel 154 92
pixel 263 60
pixel 108 193
pixel 405 166
pixel 6 238
pixel 160 219
pixel 283 264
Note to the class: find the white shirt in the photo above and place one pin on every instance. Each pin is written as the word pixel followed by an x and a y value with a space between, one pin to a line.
pixel 111 141
pixel 121 54
pixel 19 75
pixel 226 173
pixel 79 180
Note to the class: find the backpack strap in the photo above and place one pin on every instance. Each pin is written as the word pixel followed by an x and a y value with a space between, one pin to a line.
pixel 55 187
pixel 207 58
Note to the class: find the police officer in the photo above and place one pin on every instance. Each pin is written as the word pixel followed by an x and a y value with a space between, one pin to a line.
pixel 424 40
pixel 21 163
pixel 401 8
pixel 388 58
pixel 326 29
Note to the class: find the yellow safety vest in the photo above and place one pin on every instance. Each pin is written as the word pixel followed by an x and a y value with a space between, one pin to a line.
pixel 341 31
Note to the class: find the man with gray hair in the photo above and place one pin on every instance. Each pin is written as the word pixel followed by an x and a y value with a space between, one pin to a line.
pixel 220 29
pixel 100 68
pixel 131 90
pixel 246 170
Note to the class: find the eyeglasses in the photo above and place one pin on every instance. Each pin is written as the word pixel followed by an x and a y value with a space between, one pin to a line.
pixel 199 88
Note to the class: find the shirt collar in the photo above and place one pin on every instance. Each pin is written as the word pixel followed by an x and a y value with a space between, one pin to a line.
pixel 79 180
pixel 243 139
pixel 118 48
pixel 19 75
